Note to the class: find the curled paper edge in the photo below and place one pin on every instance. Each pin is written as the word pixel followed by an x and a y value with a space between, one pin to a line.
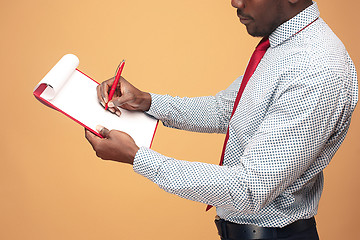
pixel 58 75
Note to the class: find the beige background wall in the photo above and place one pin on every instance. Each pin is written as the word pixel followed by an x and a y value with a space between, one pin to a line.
pixel 52 186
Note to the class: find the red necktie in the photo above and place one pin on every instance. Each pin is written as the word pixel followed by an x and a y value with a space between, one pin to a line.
pixel 254 61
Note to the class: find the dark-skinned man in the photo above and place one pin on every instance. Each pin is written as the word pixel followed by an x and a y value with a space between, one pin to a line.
pixel 284 119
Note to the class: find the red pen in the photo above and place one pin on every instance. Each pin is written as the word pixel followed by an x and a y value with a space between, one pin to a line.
pixel 116 82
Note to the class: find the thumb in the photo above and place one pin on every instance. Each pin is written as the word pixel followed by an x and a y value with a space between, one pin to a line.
pixel 103 131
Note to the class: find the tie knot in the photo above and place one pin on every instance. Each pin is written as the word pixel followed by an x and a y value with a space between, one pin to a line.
pixel 263 45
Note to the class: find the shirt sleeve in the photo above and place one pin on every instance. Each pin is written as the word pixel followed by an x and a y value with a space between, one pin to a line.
pixel 209 114
pixel 309 115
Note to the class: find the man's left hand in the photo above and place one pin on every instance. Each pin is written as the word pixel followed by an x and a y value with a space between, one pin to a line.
pixel 116 145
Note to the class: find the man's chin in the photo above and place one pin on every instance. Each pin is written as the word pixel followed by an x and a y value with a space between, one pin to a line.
pixel 255 33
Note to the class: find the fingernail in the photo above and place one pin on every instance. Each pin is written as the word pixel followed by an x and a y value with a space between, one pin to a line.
pixel 111 104
pixel 99 128
pixel 118 113
pixel 111 110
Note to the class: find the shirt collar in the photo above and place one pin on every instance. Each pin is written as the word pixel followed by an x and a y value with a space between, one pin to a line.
pixel 294 25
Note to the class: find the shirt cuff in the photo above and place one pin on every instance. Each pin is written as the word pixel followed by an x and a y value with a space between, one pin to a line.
pixel 147 162
pixel 155 107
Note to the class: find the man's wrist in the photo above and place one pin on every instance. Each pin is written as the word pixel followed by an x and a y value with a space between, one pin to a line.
pixel 145 101
pixel 132 155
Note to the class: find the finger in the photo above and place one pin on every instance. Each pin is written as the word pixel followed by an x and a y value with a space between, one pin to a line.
pixel 111 109
pixel 118 112
pixel 115 110
pixel 103 131
pixel 118 102
pixel 92 138
pixel 99 95
pixel 102 94
pixel 104 90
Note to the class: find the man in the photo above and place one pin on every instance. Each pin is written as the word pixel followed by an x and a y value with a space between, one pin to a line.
pixel 284 126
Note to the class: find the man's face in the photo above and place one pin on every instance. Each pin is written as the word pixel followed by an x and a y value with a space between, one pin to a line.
pixel 261 17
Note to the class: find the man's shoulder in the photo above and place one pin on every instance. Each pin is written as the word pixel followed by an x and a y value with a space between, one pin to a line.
pixel 321 38
pixel 316 45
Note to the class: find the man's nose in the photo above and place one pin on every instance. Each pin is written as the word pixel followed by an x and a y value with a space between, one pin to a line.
pixel 238 3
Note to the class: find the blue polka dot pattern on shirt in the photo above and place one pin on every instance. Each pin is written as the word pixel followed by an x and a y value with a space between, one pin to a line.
pixel 291 119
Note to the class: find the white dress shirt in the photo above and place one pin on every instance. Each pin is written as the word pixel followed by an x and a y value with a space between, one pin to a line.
pixel 291 119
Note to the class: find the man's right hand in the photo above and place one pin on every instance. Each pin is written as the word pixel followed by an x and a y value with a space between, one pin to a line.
pixel 126 96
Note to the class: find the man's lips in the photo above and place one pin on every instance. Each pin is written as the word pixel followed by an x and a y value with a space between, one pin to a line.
pixel 243 18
